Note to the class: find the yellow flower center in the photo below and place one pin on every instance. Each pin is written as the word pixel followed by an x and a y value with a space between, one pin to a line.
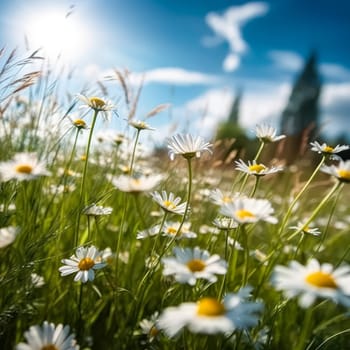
pixel 257 168
pixel 83 157
pixel 344 174
pixel 97 102
pixel 153 332
pixel 210 307
pixel 328 149
pixel 79 123
pixel 171 230
pixel 169 204
pixel 49 347
pixel 321 279
pixel 227 199
pixel 244 214
pixel 86 264
pixel 196 265
pixel 24 168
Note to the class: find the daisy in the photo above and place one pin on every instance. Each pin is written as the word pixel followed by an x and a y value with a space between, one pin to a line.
pixel 326 149
pixel 140 125
pixel 48 337
pixel 340 171
pixel 266 133
pixel 188 265
pixel 97 210
pixel 149 326
pixel 301 227
pixel 171 228
pixel 225 223
pixel 24 166
pixel 7 235
pixel 97 104
pixel 142 183
pixel 187 145
pixel 79 123
pixel 220 198
pixel 312 281
pixel 37 280
pixel 84 262
pixel 169 203
pixel 249 210
pixel 253 168
pixel 211 316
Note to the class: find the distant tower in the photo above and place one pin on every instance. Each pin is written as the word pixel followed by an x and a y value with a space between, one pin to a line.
pixel 300 117
pixel 234 113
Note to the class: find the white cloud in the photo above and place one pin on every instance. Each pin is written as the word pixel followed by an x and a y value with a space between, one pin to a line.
pixel 335 71
pixel 176 76
pixel 228 26
pixel 166 75
pixel 287 60
pixel 231 62
pixel 213 106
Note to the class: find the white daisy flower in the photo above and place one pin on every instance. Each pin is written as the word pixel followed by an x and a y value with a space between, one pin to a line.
pixel 171 228
pixel 84 262
pixel 188 265
pixel 267 133
pixel 313 281
pixel 187 145
pixel 37 280
pixel 249 210
pixel 340 171
pixel 149 326
pixel 315 231
pixel 24 166
pixel 326 149
pixel 253 168
pixel 48 337
pixel 211 316
pixel 225 223
pixel 169 203
pixel 220 198
pixel 8 235
pixel 80 124
pixel 97 210
pixel 142 183
pixel 98 105
pixel 140 125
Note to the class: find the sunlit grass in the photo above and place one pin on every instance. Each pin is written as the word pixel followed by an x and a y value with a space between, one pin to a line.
pixel 151 270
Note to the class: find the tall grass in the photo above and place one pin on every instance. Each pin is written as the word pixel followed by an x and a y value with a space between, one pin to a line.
pixel 106 313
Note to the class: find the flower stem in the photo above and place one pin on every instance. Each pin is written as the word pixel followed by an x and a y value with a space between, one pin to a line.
pixel 305 330
pixel 131 167
pixel 82 187
pixel 297 197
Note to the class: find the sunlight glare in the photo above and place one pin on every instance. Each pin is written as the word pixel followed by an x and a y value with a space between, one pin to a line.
pixel 56 34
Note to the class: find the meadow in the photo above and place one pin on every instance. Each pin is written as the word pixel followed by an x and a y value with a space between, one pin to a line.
pixel 106 246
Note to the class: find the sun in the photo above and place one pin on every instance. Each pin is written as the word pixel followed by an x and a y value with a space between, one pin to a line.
pixel 57 32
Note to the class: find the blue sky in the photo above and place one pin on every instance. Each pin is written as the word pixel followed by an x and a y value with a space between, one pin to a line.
pixel 196 54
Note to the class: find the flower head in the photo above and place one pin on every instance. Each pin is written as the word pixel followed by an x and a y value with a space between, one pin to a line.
pixel 312 281
pixel 140 125
pixel 80 124
pixel 211 316
pixel 48 337
pixel 139 184
pixel 7 235
pixel 326 149
pixel 169 203
pixel 97 210
pixel 266 133
pixel 149 326
pixel 340 171
pixel 187 145
pixel 314 231
pixel 24 166
pixel 98 105
pixel 188 265
pixel 253 168
pixel 85 261
pixel 220 198
pixel 249 210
